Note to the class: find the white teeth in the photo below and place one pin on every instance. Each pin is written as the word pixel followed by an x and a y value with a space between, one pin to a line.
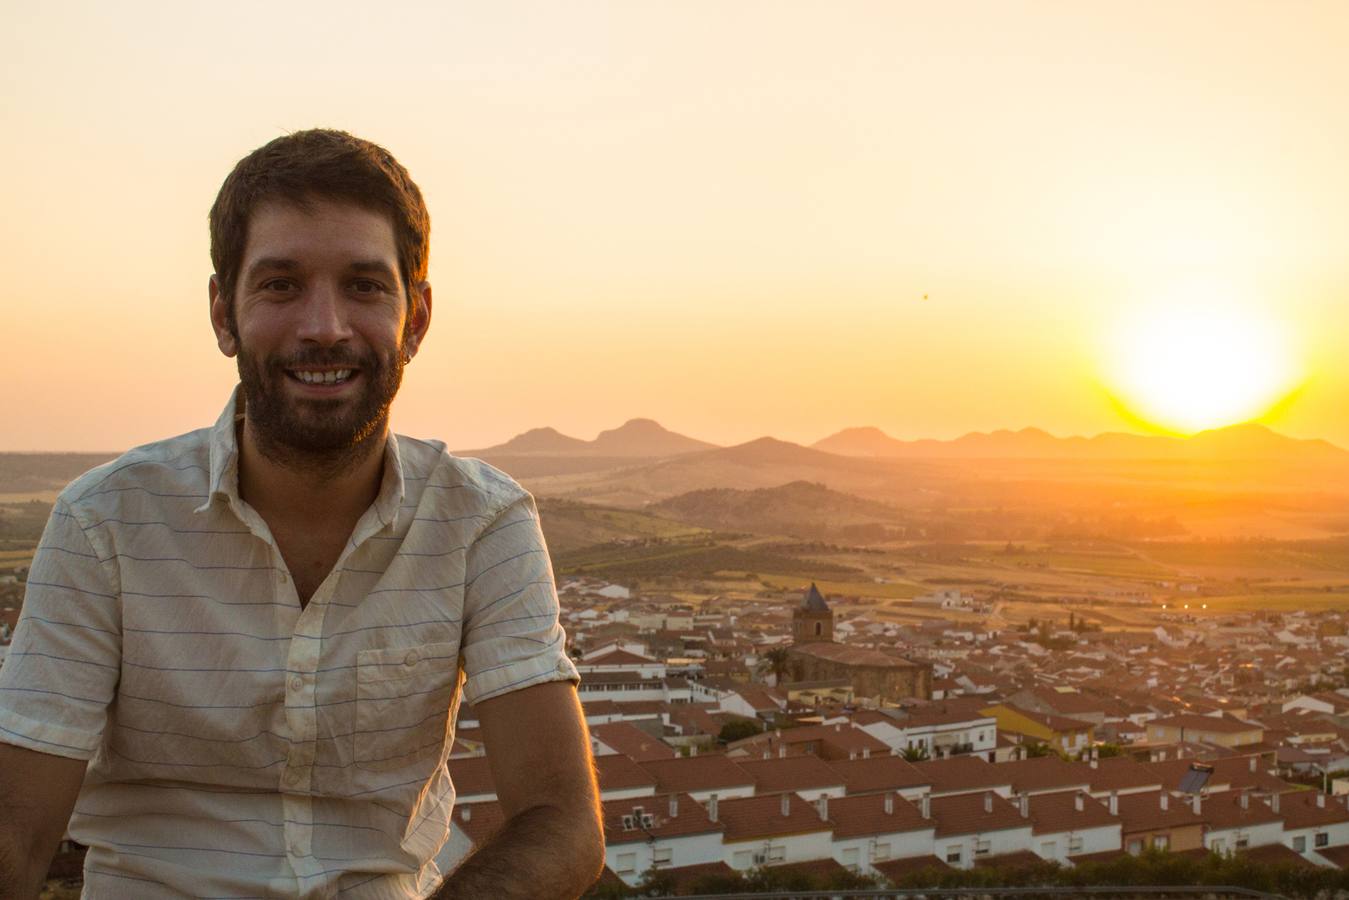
pixel 332 376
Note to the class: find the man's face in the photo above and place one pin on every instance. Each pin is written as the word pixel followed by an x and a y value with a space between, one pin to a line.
pixel 320 326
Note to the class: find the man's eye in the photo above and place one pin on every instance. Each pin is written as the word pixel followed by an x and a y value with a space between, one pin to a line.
pixel 364 286
pixel 281 285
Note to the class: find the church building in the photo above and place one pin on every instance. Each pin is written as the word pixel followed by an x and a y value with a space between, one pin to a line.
pixel 814 656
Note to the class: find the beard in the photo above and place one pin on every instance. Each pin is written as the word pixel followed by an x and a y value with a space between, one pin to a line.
pixel 323 434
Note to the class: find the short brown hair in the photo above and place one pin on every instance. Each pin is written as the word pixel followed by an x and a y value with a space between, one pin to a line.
pixel 319 164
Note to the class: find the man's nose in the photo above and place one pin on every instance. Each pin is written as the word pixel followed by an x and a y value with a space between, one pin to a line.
pixel 323 317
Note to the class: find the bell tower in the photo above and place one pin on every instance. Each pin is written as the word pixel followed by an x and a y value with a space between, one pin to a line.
pixel 812 620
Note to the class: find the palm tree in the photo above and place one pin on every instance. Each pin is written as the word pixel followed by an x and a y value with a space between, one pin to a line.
pixel 774 662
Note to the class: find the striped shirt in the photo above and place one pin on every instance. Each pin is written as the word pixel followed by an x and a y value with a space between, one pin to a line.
pixel 241 746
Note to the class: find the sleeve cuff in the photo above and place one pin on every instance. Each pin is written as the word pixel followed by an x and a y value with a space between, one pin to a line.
pixel 44 737
pixel 525 673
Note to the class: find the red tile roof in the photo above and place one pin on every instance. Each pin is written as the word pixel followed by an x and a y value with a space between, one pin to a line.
pixel 632 742
pixel 697 773
pixel 879 773
pixel 975 814
pixel 1120 773
pixel 1059 812
pixel 1300 809
pixel 1045 773
pixel 618 773
pixel 683 818
pixel 792 773
pixel 752 818
pixel 865 814
pixel 962 774
pixel 1143 812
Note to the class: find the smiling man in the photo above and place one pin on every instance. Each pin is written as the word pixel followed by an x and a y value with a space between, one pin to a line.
pixel 242 649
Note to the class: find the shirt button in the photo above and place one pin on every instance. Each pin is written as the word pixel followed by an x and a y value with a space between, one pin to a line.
pixel 292 777
pixel 296 683
pixel 411 659
pixel 282 577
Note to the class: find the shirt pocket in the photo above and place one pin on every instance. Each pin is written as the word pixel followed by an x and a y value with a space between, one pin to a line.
pixel 404 697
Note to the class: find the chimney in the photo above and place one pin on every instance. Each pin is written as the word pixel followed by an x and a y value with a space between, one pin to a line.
pixel 866 753
pixel 988 801
pixel 693 749
pixel 889 803
pixel 465 813
pixel 1165 799
pixel 782 751
pixel 1024 802
pixel 1274 802
pixel 712 807
pixel 767 754
pixel 1196 803
pixel 1245 800
pixel 1095 763
pixel 786 804
pixel 1077 802
pixel 852 755
pixel 838 727
pixel 674 806
pixel 927 806
pixel 1321 801
pixel 1252 763
pixel 823 806
pixel 1114 803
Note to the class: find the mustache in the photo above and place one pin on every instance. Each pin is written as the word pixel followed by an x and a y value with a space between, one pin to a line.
pixel 324 356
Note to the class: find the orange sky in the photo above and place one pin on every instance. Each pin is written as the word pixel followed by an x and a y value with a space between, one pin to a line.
pixel 722 215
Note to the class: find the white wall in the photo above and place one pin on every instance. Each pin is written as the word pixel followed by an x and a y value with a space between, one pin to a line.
pixel 1225 839
pixel 687 850
pixel 1008 840
pixel 868 849
pixel 792 848
pixel 1094 840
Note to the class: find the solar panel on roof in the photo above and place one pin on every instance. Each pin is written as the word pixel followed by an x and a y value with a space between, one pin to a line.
pixel 1196 778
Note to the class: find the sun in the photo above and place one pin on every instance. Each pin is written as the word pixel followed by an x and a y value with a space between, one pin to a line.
pixel 1200 356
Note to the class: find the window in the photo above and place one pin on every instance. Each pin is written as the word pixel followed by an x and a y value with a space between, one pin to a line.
pixel 1161 842
pixel 1322 839
pixel 953 854
pixel 850 859
pixel 1243 843
pixel 1219 845
pixel 627 864
pixel 1135 847
pixel 981 847
pixel 777 853
pixel 661 856
pixel 1300 843
pixel 881 851
pixel 742 860
pixel 1049 849
pixel 1074 844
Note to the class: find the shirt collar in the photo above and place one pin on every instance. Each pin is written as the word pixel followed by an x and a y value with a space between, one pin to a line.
pixel 224 468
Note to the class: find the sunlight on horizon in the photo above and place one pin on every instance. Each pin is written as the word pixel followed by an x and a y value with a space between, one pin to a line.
pixel 1200 355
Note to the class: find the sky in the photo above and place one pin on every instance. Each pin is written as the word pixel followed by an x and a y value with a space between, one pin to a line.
pixel 737 218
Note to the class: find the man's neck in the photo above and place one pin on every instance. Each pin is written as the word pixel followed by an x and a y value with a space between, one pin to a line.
pixel 288 489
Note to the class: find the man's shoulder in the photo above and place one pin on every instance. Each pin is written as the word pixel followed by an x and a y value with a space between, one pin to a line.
pixel 177 467
pixel 457 478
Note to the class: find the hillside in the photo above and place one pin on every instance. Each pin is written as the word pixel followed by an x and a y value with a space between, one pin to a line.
pixel 800 509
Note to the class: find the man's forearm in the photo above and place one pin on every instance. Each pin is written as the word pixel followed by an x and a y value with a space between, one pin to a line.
pixel 543 853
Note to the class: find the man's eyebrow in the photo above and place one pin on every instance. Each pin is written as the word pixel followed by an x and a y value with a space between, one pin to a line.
pixel 274 264
pixel 374 267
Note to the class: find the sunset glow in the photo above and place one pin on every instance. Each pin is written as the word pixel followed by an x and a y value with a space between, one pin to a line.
pixel 1200 357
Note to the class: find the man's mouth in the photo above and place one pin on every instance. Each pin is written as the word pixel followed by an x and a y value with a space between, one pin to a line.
pixel 321 376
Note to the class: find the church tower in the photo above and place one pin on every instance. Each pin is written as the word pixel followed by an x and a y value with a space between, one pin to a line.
pixel 813 620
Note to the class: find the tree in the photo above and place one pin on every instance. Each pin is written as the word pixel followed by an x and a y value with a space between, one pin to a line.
pixel 915 753
pixel 738 730
pixel 774 662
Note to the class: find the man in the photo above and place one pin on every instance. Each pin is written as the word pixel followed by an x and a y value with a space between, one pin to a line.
pixel 242 649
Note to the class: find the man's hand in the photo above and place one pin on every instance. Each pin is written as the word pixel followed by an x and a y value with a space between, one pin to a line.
pixel 552 845
pixel 37 793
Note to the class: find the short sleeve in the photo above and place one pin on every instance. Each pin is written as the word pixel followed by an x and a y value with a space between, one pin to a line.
pixel 62 667
pixel 512 637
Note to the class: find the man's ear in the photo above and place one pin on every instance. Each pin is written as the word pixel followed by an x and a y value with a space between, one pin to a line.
pixel 420 317
pixel 220 318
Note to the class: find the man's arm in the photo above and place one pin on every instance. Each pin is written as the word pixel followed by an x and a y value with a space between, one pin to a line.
pixel 552 845
pixel 37 793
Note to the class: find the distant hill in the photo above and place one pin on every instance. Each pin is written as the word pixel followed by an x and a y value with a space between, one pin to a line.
pixel 800 508
pixel 1249 441
pixel 635 439
pixel 22 473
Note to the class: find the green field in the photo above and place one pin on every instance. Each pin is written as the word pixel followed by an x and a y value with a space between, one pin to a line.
pixel 897 591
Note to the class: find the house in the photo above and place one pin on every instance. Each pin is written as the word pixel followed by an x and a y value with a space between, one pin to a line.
pixel 1068 824
pixel 665 831
pixel 1220 730
pixel 976 825
pixel 1157 820
pixel 1068 736
pixel 1235 820
pixel 701 777
pixel 773 830
pixel 874 828
pixel 1312 822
